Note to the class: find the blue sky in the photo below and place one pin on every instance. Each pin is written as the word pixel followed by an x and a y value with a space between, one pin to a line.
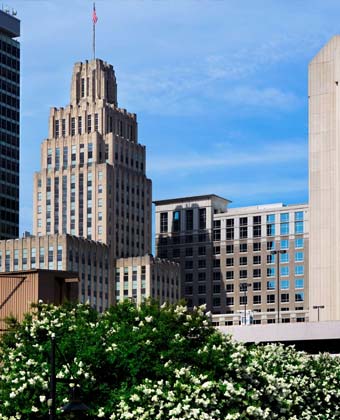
pixel 219 87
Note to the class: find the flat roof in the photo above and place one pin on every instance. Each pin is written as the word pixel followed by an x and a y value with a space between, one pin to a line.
pixel 190 198
pixel 9 25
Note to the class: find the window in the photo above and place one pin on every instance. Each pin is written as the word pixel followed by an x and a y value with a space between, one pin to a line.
pixel 257 231
pixel 229 249
pixel 257 286
pixel 201 250
pixel 271 272
pixel 201 289
pixel 216 263
pixel 202 277
pixel 229 288
pixel 299 283
pixel 284 258
pixel 243 232
pixel 176 253
pixel 284 244
pixel 257 273
pixel 270 259
pixel 284 217
pixel 79 125
pixel 188 252
pixel 73 126
pixel 256 246
pixel 284 284
pixel 230 301
pixel 243 274
pixel 256 220
pixel 270 299
pixel 243 221
pixel 56 129
pixel 229 275
pixel 243 300
pixel 243 247
pixel 164 222
pixel 216 234
pixel 230 229
pixel 89 120
pixel 299 297
pixel 189 218
pixel 188 239
pixel 229 262
pixel 176 221
pixel 96 122
pixel 256 259
pixel 257 299
pixel 270 218
pixel 63 127
pixel 284 229
pixel 202 218
pixel 100 202
pixel 299 216
pixel 201 263
pixel 299 243
pixel 299 256
pixel 298 227
pixel 216 301
pixel 270 229
pixel 243 261
pixel 188 264
pixel 271 285
pixel 299 270
pixel 216 250
pixel 270 245
pixel 188 277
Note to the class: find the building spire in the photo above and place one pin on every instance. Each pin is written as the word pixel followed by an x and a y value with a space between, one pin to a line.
pixel 94 21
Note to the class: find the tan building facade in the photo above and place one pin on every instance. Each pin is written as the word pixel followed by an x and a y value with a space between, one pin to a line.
pixel 92 182
pixel 144 277
pixel 228 257
pixel 324 180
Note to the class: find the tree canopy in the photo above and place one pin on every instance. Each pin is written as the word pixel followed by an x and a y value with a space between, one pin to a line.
pixel 161 363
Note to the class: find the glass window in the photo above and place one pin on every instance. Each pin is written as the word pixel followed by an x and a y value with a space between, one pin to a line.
pixel 271 299
pixel 284 217
pixel 284 284
pixel 202 218
pixel 257 286
pixel 270 245
pixel 243 247
pixel 271 272
pixel 270 230
pixel 243 260
pixel 284 271
pixel 270 259
pixel 256 259
pixel 257 299
pixel 299 283
pixel 299 243
pixel 284 244
pixel 298 227
pixel 299 297
pixel 284 258
pixel 229 262
pixel 243 274
pixel 284 229
pixel 257 246
pixel 284 297
pixel 229 249
pixel 299 270
pixel 164 222
pixel 176 221
pixel 299 216
pixel 270 218
pixel 271 285
pixel 229 275
pixel 299 256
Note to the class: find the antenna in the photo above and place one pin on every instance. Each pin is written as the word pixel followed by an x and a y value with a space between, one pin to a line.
pixel 14 12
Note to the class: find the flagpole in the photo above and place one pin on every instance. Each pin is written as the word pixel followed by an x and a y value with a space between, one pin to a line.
pixel 94 35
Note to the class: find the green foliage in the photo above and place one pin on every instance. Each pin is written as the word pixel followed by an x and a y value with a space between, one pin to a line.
pixel 159 363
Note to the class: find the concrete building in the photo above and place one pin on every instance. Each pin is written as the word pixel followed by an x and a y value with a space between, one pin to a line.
pixel 140 277
pixel 324 180
pixel 9 125
pixel 19 290
pixel 92 181
pixel 89 259
pixel 228 260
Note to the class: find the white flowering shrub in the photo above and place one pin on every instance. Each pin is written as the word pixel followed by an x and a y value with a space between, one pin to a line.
pixel 159 363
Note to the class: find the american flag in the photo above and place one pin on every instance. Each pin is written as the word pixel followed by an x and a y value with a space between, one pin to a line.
pixel 94 15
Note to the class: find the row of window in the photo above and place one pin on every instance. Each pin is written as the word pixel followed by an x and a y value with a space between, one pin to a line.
pixel 271 272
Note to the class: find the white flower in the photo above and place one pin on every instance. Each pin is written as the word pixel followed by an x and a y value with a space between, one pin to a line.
pixel 101 412
pixel 148 318
pixel 42 398
pixel 34 409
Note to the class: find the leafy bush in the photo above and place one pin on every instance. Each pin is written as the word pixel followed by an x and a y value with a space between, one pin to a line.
pixel 159 363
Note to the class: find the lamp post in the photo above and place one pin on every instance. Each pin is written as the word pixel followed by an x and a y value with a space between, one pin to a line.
pixel 277 253
pixel 318 307
pixel 244 288
pixel 74 407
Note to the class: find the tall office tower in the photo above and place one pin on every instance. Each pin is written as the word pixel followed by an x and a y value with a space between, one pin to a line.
pixel 9 125
pixel 324 180
pixel 229 257
pixel 92 181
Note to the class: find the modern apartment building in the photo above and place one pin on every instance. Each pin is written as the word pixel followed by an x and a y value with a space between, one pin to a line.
pixel 9 125
pixel 228 257
pixel 92 182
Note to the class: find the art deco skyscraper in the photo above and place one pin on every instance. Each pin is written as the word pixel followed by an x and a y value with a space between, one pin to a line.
pixel 92 181
pixel 9 125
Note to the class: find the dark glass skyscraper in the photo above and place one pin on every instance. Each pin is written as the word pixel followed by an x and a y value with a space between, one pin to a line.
pixel 9 125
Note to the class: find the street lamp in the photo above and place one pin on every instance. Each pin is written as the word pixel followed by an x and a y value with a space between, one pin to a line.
pixel 244 288
pixel 277 253
pixel 318 307
pixel 75 407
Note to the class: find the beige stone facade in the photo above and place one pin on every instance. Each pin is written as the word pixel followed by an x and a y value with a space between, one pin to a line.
pixel 324 180
pixel 92 181
pixel 226 256
pixel 139 278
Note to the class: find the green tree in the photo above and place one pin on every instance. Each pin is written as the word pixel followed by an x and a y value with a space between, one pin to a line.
pixel 159 363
